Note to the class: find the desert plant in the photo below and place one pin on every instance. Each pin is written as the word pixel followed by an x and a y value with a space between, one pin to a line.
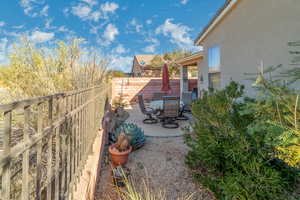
pixel 234 152
pixel 122 144
pixel 39 71
pixel 134 132
pixel 143 190
pixel 278 111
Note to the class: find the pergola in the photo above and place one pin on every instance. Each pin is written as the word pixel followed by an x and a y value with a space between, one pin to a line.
pixel 184 63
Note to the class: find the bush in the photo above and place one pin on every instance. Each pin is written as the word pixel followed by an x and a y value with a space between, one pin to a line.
pixel 233 152
pixel 36 70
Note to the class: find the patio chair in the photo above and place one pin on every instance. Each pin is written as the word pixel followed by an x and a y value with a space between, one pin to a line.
pixel 157 95
pixel 187 101
pixel 195 94
pixel 171 110
pixel 146 111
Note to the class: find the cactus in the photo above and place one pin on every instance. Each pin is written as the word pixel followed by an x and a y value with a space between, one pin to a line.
pixel 135 133
pixel 123 142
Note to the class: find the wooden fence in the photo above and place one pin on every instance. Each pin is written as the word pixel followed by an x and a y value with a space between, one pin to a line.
pixel 46 141
pixel 128 88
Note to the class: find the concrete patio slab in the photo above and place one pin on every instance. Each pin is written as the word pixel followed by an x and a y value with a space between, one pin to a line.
pixel 154 130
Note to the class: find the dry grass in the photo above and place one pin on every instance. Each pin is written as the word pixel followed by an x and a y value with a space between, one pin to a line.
pixel 136 189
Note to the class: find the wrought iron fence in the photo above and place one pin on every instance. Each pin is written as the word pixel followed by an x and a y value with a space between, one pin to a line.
pixel 45 143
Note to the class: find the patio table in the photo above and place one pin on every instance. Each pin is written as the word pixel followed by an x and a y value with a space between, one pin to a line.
pixel 158 104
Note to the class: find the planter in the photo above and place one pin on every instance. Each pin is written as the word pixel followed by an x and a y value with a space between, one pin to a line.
pixel 119 158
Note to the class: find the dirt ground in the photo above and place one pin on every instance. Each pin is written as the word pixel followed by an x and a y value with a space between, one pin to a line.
pixel 161 162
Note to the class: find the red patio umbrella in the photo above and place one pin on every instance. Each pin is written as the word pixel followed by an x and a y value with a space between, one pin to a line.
pixel 165 80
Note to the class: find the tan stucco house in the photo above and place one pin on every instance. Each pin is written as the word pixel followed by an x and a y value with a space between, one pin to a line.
pixel 244 34
pixel 141 67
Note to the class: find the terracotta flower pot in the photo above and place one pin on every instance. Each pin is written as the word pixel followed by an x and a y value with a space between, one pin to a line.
pixel 119 158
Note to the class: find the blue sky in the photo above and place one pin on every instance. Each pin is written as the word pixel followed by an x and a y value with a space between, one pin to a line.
pixel 117 29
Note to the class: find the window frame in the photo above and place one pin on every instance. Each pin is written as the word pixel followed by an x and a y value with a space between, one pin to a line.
pixel 214 58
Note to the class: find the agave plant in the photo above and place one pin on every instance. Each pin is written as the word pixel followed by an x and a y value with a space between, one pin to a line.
pixel 136 134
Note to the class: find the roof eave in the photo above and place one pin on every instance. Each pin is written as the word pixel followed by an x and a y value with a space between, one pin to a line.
pixel 195 56
pixel 215 20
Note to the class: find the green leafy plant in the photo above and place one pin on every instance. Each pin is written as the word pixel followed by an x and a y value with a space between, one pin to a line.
pixel 136 134
pixel 170 58
pixel 234 151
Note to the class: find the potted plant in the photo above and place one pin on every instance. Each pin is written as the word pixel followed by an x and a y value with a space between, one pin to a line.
pixel 120 150
pixel 136 134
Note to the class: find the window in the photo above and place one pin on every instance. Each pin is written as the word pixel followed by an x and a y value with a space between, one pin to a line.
pixel 214 62
pixel 214 57
pixel 214 80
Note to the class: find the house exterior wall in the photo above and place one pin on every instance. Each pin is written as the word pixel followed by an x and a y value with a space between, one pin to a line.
pixel 255 31
pixel 136 68
pixel 139 71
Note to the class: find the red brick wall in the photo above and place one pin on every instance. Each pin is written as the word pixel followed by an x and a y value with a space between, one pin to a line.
pixel 130 87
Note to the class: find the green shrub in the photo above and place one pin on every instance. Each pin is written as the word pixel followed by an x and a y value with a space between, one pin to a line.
pixel 233 152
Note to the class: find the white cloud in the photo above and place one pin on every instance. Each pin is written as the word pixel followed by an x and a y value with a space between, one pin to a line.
pixel 11 33
pixel 184 2
pixel 110 32
pixel 82 11
pixel 41 37
pixel 27 5
pixel 123 63
pixel 19 26
pixel 63 29
pixel 120 49
pixel 66 11
pixel 149 21
pixel 151 48
pixel 137 26
pixel 48 24
pixel 109 7
pixel 5 48
pixel 88 11
pixel 178 33
pixel 2 23
pixel 90 2
pixel 109 35
pixel 32 8
pixel 94 29
pixel 44 11
pixel 96 15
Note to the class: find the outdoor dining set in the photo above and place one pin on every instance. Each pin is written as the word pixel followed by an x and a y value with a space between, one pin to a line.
pixel 166 109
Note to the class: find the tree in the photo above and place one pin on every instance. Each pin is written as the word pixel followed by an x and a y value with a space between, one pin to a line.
pixel 157 61
pixel 116 74
pixel 170 58
pixel 39 71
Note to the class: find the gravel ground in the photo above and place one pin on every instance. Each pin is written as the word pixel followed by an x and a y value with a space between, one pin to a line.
pixel 161 161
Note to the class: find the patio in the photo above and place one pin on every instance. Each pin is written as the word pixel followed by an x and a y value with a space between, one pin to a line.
pixel 162 156
pixel 155 130
pixel 161 163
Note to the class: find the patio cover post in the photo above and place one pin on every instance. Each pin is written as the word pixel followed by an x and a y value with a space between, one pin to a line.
pixel 184 80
